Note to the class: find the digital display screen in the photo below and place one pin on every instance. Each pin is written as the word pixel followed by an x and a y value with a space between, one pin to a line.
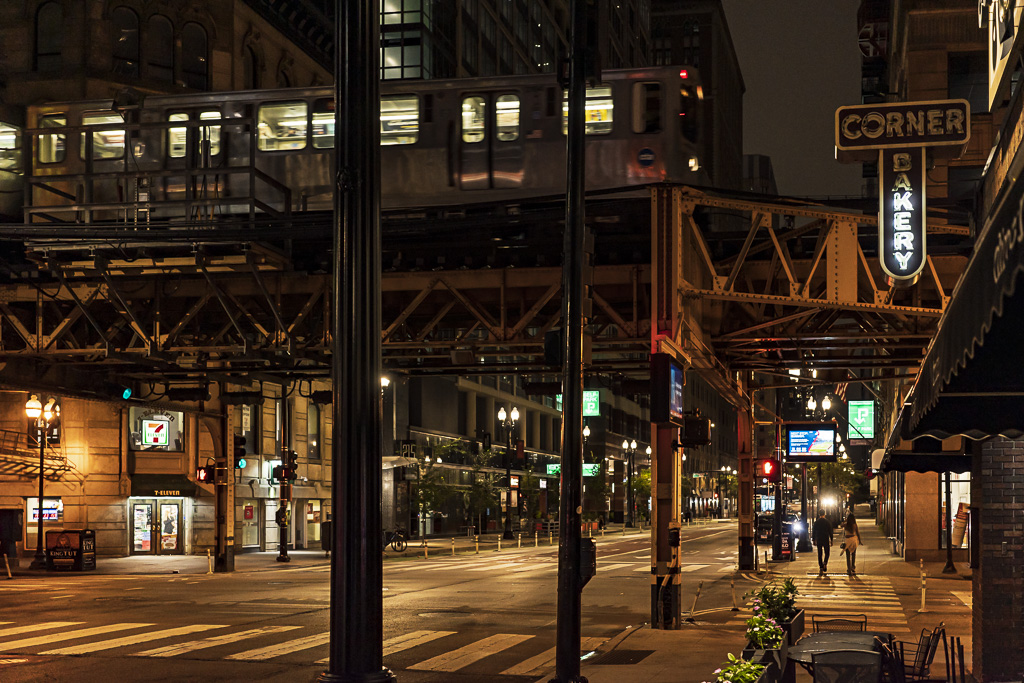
pixel 676 383
pixel 811 443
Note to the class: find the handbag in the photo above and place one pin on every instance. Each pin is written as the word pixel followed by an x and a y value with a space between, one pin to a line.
pixel 842 546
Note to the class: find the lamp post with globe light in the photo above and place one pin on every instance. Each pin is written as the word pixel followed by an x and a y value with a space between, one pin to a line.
pixel 43 415
pixel 509 423
pixel 629 448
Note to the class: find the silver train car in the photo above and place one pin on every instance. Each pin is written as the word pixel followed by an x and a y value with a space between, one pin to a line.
pixel 443 143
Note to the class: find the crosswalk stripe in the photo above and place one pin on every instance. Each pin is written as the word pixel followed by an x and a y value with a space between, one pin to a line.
pixel 546 660
pixel 213 641
pixel 692 567
pixel 69 635
pixel 489 567
pixel 15 630
pixel 132 640
pixel 474 652
pixel 278 649
pixel 405 642
pixel 609 567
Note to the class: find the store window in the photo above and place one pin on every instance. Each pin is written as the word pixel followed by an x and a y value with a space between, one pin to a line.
pixel 958 515
pixel 159 49
pixel 125 34
pixel 158 430
pixel 599 111
pixel 282 126
pixel 194 69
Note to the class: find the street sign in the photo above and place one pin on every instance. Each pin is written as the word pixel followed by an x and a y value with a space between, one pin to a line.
pixel 590 469
pixel 862 419
pixel 155 432
pixel 902 248
pixel 591 402
pixel 903 124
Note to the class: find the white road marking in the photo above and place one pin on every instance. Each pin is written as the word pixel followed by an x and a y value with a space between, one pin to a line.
pixel 132 640
pixel 278 649
pixel 69 635
pixel 546 660
pixel 15 630
pixel 469 654
pixel 213 641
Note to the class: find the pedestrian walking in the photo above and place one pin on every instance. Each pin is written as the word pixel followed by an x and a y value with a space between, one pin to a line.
pixel 822 536
pixel 851 541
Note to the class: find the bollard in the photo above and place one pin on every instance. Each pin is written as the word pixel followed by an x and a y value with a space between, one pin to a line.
pixel 536 539
pixel 424 548
pixel 209 562
pixel 694 607
pixel 602 532
pixel 732 587
pixel 476 542
pixel 550 536
pixel 519 540
pixel 623 529
pixel 499 543
pixel 924 587
pixel 453 546
pixel 590 531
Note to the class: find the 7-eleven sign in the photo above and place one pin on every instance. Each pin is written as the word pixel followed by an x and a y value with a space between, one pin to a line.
pixel 154 432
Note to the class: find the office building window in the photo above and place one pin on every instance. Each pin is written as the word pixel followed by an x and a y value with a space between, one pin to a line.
pixel 125 33
pixel 49 36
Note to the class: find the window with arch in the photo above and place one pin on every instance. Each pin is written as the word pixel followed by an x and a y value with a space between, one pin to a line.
pixel 312 431
pixel 160 49
pixel 194 62
pixel 49 36
pixel 125 34
pixel 250 69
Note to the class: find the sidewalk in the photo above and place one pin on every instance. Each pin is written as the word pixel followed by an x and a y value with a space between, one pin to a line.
pixel 692 653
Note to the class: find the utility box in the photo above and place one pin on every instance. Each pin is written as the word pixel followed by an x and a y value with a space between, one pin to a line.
pixel 71 549
pixel 588 559
pixel 326 536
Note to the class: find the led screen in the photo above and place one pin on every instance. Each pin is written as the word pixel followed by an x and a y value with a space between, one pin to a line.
pixel 811 443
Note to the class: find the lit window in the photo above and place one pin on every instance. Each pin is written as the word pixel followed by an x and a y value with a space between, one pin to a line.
pixel 10 148
pixel 474 122
pixel 106 144
pixel 176 136
pixel 51 145
pixel 507 117
pixel 282 126
pixel 599 107
pixel 323 124
pixel 399 119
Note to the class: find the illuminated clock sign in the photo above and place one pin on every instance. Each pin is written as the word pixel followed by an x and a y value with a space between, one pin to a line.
pixel 901 214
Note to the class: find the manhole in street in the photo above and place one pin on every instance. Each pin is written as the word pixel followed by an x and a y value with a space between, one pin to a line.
pixel 444 612
pixel 622 657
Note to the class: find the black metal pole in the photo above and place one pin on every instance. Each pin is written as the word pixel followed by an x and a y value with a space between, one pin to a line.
pixel 507 533
pixel 39 562
pixel 356 617
pixel 570 583
pixel 950 568
pixel 805 538
pixel 630 520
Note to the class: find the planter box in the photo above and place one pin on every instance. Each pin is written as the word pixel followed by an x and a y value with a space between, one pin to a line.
pixel 770 658
pixel 794 628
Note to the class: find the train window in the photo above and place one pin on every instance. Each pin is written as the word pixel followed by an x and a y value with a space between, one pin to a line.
pixel 176 136
pixel 323 124
pixel 10 148
pixel 399 119
pixel 282 126
pixel 51 145
pixel 647 107
pixel 474 121
pixel 599 108
pixel 507 117
pixel 106 144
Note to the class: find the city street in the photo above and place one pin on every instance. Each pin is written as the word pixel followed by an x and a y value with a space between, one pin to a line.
pixel 471 617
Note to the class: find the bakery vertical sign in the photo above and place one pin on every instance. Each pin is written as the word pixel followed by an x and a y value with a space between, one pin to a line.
pixel 901 135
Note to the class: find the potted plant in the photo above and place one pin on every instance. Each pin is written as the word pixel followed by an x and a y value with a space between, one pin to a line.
pixel 738 670
pixel 766 641
pixel 779 604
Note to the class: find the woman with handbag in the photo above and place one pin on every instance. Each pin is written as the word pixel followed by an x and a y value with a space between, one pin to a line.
pixel 851 541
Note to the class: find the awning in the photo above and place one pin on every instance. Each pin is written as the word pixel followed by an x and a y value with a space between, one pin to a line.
pixel 906 461
pixel 151 485
pixel 972 379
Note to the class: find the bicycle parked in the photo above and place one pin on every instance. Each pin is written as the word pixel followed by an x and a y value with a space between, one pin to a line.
pixel 397 538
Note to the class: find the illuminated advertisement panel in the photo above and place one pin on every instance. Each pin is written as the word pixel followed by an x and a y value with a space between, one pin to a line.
pixel 811 442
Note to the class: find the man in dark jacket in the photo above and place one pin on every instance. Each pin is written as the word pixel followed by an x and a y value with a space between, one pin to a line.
pixel 822 537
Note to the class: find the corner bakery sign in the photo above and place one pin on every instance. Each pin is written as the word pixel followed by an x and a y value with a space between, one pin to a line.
pixel 900 134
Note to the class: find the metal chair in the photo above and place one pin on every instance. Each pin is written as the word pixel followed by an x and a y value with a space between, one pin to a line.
pixel 847 666
pixel 851 622
pixel 917 659
pixel 892 665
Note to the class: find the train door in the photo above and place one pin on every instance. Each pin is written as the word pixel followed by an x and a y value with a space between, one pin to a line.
pixel 191 147
pixel 490 142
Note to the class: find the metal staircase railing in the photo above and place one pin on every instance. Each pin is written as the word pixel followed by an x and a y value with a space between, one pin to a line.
pixel 20 458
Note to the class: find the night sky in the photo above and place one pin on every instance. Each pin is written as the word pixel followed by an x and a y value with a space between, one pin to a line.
pixel 800 61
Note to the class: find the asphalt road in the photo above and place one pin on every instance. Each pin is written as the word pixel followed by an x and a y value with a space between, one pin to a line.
pixel 486 617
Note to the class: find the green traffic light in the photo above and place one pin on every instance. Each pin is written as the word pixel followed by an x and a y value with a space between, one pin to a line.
pixel 127 393
pixel 240 463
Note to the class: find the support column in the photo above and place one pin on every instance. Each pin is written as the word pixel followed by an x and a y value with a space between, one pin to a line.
pixel 665 509
pixel 224 503
pixel 745 486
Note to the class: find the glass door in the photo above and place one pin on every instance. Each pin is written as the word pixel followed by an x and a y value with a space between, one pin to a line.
pixel 142 528
pixel 170 528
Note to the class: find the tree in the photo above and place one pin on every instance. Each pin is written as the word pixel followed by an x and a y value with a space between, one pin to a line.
pixel 642 490
pixel 529 491
pixel 482 492
pixel 595 497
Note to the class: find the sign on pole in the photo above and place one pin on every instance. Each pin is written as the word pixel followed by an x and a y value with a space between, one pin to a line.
pixel 862 419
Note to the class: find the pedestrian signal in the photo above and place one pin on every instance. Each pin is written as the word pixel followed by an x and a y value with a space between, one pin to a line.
pixel 204 475
pixel 769 470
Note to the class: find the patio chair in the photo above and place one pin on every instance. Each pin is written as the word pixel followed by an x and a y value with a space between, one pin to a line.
pixel 892 665
pixel 847 666
pixel 851 622
pixel 917 659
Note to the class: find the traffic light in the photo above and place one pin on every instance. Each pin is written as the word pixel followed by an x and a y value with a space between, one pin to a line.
pixel 276 474
pixel 293 466
pixel 239 452
pixel 769 470
pixel 204 475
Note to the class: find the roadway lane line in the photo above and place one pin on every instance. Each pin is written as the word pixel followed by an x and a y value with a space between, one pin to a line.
pixel 132 640
pixel 15 630
pixel 546 660
pixel 278 649
pixel 213 641
pixel 472 653
pixel 69 635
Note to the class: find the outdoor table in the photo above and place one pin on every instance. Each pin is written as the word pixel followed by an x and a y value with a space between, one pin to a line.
pixel 803 652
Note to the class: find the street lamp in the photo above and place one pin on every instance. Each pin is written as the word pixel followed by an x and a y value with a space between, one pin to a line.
pixel 629 448
pixel 509 423
pixel 42 415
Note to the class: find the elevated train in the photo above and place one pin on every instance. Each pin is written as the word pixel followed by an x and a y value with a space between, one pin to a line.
pixel 444 143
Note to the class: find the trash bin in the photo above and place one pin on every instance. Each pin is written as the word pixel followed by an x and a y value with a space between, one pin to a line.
pixel 326 536
pixel 71 549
